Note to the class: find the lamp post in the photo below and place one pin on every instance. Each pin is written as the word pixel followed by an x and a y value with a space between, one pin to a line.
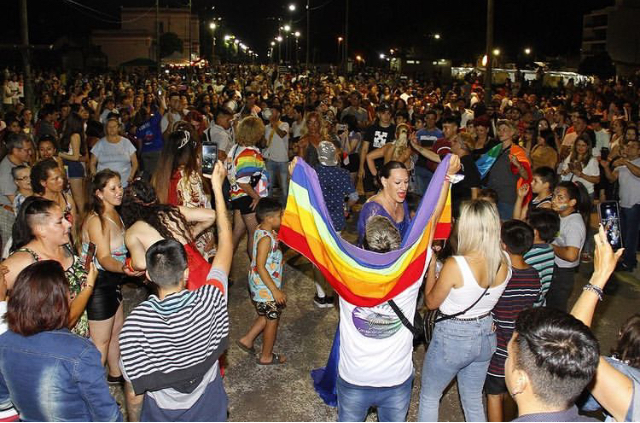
pixel 340 39
pixel 297 35
pixel 213 26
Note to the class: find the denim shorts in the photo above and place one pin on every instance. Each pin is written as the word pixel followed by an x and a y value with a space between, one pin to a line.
pixel 74 169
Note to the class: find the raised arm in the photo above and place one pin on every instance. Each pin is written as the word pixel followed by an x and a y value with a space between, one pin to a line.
pixel 375 154
pixel 224 255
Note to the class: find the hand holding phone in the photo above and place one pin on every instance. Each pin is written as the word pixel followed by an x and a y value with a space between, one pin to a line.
pixel 209 158
pixel 91 252
pixel 609 214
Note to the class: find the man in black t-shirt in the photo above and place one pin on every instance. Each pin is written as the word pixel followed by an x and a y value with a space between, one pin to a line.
pixel 375 136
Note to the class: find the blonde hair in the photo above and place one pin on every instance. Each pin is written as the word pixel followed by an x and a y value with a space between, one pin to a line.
pixel 305 129
pixel 401 144
pixel 381 235
pixel 250 131
pixel 466 141
pixel 478 231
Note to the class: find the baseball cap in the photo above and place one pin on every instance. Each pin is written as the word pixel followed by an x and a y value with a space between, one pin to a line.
pixel 327 154
pixel 383 107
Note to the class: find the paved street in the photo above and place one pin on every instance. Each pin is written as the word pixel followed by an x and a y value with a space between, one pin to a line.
pixel 285 393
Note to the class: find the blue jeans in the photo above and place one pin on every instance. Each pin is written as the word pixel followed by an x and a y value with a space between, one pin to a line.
pixel 392 402
pixel 423 177
pixel 282 170
pixel 630 226
pixel 461 349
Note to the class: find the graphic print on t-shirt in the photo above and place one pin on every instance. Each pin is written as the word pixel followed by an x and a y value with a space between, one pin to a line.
pixel 373 324
pixel 379 139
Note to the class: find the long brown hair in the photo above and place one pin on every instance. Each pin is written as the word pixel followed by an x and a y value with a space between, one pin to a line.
pixel 180 150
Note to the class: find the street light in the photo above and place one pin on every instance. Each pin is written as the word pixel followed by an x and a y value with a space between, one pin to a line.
pixel 287 28
pixel 292 7
pixel 382 56
pixel 227 37
pixel 279 39
pixel 527 51
pixel 273 43
pixel 436 36
pixel 212 25
pixel 297 33
pixel 496 52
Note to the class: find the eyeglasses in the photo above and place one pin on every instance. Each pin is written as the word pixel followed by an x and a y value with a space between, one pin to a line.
pixel 24 178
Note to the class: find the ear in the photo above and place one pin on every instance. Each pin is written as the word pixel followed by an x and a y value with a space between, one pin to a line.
pixel 573 202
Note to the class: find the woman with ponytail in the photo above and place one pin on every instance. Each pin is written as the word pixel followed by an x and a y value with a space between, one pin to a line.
pixel 572 202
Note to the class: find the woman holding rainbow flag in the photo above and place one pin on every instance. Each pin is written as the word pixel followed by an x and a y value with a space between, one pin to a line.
pixel 371 360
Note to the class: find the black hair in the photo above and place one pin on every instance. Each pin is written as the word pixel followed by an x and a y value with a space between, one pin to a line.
pixel 517 236
pixel 265 207
pixel 31 211
pixel 74 125
pixel 549 138
pixel 385 171
pixel 451 120
pixel 547 175
pixel 490 193
pixel 558 353
pixel 40 172
pixel 140 202
pixel 430 112
pixel 578 192
pixel 166 262
pixel 628 347
pixel 546 222
pixel 14 170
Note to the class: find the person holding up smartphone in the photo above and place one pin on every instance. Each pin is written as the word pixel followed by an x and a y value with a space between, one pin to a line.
pixel 627 172
pixel 103 236
pixel 277 152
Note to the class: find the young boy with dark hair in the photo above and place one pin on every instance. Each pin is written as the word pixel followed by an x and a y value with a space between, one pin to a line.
pixel 542 185
pixel 545 224
pixel 521 292
pixel 265 283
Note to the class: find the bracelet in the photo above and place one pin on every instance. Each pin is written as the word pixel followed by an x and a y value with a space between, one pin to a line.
pixel 596 289
pixel 127 265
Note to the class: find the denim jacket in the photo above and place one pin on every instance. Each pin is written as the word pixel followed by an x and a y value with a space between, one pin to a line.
pixel 54 376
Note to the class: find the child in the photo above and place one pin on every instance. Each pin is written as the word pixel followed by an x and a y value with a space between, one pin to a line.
pixel 521 292
pixel 542 185
pixel 571 201
pixel 265 283
pixel 545 224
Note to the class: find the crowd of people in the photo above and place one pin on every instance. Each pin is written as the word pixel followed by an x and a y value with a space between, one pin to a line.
pixel 102 184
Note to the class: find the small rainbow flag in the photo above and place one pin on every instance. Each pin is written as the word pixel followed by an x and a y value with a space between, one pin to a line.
pixel 487 160
pixel 361 277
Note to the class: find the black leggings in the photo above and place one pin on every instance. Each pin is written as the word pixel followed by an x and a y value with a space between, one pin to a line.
pixel 106 297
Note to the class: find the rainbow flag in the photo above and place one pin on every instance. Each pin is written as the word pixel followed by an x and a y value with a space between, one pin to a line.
pixel 363 278
pixel 486 162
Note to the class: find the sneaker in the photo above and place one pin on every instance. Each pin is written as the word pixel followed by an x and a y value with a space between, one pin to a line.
pixel 323 302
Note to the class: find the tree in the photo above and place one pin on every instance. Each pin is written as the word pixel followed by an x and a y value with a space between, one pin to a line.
pixel 169 42
pixel 599 65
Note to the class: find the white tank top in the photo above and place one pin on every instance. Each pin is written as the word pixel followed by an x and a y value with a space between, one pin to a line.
pixel 461 298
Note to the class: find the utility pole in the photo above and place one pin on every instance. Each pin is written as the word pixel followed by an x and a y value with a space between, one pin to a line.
pixel 158 38
pixel 488 76
pixel 308 31
pixel 345 51
pixel 190 68
pixel 26 55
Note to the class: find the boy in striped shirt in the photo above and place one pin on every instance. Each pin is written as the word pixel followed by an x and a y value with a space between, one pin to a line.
pixel 545 224
pixel 521 292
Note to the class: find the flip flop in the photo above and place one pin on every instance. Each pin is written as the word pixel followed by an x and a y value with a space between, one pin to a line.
pixel 275 360
pixel 245 348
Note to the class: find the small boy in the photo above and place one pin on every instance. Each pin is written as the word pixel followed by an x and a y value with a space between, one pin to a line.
pixel 542 185
pixel 265 283
pixel 521 292
pixel 545 224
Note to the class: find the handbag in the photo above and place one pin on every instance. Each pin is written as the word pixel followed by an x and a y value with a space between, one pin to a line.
pixel 424 326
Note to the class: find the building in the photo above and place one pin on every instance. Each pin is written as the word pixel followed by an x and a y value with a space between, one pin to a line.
pixel 136 38
pixel 614 30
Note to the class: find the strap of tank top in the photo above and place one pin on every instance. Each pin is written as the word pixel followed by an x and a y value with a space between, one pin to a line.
pixel 29 251
pixel 467 269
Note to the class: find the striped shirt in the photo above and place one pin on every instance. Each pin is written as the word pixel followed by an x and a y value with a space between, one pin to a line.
pixel 175 342
pixel 246 166
pixel 521 292
pixel 541 257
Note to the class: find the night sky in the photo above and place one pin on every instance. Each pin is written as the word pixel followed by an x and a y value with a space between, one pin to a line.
pixel 549 27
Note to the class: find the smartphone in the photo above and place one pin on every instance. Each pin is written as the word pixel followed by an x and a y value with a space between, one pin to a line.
pixel 604 153
pixel 609 214
pixel 209 158
pixel 91 252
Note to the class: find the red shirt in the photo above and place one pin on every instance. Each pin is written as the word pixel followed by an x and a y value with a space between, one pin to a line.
pixel 442 147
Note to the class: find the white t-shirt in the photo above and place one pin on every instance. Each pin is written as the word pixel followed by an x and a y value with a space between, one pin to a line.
pixel 278 150
pixel 572 234
pixel 591 169
pixel 602 141
pixel 164 123
pixel 375 347
pixel 115 156
pixel 629 186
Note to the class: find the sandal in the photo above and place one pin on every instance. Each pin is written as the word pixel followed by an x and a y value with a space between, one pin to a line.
pixel 275 360
pixel 246 349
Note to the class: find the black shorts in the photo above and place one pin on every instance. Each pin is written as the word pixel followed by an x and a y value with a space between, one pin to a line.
pixel 494 385
pixel 270 309
pixel 106 297
pixel 243 204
